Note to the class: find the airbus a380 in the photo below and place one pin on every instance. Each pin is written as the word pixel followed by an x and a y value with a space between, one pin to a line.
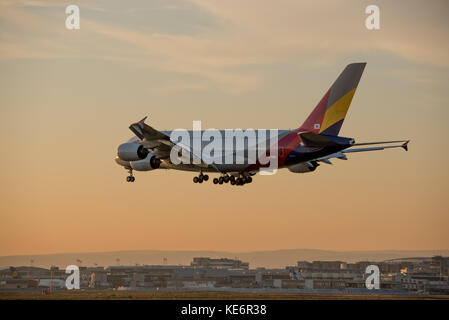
pixel 300 150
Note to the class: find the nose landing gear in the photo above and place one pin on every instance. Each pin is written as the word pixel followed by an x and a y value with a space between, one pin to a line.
pixel 130 178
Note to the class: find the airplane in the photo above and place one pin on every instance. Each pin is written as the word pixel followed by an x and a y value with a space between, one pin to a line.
pixel 300 150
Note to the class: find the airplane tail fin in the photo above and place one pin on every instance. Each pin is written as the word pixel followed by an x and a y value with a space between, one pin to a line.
pixel 328 116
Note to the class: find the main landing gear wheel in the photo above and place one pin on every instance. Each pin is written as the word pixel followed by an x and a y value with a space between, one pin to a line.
pixel 224 178
pixel 242 180
pixel 239 181
pixel 201 178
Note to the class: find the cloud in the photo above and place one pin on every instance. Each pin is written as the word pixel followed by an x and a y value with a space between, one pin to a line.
pixel 249 33
pixel 281 29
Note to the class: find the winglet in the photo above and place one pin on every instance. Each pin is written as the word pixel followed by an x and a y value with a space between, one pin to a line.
pixel 405 145
pixel 141 122
pixel 138 128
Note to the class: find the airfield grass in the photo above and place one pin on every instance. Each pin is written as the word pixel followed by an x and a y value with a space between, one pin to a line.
pixel 196 295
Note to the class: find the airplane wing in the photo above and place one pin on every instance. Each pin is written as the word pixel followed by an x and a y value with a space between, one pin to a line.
pixel 144 131
pixel 342 154
pixel 160 144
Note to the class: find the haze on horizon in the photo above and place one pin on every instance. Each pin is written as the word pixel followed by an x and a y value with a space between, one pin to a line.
pixel 68 97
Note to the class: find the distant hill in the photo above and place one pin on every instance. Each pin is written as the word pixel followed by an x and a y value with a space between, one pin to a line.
pixel 269 259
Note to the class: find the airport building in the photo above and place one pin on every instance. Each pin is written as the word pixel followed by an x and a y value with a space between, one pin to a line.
pixel 412 276
pixel 222 263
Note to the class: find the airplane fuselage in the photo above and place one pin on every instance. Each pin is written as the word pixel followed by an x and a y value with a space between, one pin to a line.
pixel 290 151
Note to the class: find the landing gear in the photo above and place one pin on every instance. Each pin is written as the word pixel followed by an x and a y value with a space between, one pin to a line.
pixel 239 181
pixel 224 178
pixel 130 178
pixel 202 177
pixel 242 180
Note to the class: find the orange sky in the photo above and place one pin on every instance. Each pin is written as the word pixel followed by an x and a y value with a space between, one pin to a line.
pixel 68 97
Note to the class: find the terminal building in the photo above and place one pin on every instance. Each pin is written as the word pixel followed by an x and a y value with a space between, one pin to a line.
pixel 411 276
pixel 221 263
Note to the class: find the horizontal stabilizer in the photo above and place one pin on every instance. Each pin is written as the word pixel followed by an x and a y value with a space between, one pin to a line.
pixel 380 142
pixel 405 145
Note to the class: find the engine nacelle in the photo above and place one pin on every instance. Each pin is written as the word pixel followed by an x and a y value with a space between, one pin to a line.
pixel 131 151
pixel 304 167
pixel 147 164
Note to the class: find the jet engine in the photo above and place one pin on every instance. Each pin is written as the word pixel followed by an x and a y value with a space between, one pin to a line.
pixel 131 151
pixel 304 167
pixel 147 164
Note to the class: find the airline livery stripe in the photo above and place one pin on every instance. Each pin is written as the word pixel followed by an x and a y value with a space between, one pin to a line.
pixel 337 111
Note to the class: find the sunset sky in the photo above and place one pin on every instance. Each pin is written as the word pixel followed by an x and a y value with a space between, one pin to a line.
pixel 67 98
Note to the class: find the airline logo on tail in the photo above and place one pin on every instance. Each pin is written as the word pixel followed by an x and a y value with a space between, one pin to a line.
pixel 329 114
